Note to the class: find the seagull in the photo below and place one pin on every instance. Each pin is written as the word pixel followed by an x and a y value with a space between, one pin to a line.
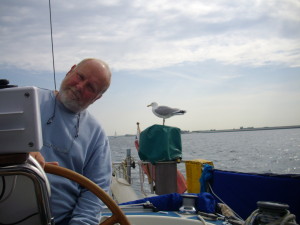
pixel 165 111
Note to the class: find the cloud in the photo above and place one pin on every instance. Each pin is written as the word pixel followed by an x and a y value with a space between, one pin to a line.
pixel 138 35
pixel 184 53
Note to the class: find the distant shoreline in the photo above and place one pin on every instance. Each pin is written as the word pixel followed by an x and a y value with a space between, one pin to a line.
pixel 244 129
pixel 226 130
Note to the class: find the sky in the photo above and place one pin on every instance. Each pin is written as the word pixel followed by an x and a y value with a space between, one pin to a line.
pixel 229 64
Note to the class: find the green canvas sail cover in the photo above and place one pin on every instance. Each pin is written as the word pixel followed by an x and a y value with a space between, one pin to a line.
pixel 160 143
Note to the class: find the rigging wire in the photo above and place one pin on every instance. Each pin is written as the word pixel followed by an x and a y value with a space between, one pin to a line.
pixel 54 76
pixel 211 190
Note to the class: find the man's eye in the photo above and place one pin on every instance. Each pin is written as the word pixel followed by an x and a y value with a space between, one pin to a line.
pixel 91 88
pixel 80 77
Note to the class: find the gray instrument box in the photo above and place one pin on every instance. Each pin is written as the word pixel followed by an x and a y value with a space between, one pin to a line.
pixel 20 121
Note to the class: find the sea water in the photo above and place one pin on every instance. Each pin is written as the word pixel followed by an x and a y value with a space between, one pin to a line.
pixel 262 151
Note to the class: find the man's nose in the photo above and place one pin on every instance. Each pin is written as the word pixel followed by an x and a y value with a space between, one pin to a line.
pixel 80 85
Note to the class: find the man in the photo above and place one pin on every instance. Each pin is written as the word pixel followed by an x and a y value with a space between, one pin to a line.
pixel 73 139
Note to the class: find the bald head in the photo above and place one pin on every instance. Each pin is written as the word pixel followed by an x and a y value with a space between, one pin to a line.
pixel 104 71
pixel 84 84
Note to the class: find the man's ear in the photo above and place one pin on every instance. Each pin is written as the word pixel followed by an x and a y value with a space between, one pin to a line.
pixel 72 68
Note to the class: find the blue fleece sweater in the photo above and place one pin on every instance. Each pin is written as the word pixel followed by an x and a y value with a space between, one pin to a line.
pixel 87 154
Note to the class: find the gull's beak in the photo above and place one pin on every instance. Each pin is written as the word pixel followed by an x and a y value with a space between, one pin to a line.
pixel 149 105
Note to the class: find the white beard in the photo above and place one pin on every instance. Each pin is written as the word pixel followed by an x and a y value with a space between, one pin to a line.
pixel 71 104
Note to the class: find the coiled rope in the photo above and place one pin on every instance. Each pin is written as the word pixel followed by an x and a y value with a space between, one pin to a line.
pixel 287 219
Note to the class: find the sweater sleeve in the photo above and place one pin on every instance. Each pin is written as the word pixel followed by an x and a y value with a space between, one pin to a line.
pixel 97 168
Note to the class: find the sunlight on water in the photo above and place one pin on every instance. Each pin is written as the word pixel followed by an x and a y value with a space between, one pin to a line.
pixel 271 151
pixel 266 151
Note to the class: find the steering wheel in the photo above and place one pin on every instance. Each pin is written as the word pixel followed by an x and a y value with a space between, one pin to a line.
pixel 117 214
